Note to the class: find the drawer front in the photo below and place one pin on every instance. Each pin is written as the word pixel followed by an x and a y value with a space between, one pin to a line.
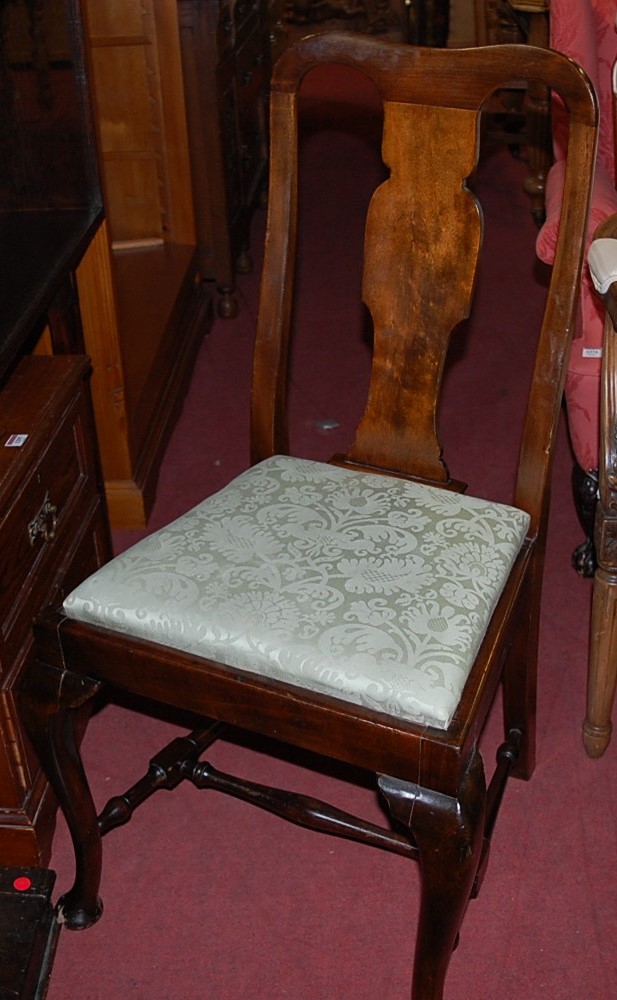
pixel 84 554
pixel 38 523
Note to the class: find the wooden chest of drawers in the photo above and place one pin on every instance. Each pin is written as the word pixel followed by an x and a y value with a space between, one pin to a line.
pixel 53 533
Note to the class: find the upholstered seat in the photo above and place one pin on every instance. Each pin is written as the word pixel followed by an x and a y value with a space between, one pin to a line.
pixel 371 589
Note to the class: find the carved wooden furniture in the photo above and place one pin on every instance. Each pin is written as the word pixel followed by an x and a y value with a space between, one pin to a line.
pixel 602 678
pixel 420 22
pixel 365 609
pixel 585 32
pixel 427 22
pixel 371 16
pixel 225 47
pixel 53 529
pixel 53 533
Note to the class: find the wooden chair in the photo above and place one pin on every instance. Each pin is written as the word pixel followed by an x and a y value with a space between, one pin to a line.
pixel 364 609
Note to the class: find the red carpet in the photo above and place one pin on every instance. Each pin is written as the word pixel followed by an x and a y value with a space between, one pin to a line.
pixel 206 898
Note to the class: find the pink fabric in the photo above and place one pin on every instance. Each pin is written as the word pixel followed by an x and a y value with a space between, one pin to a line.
pixel 584 30
pixel 582 389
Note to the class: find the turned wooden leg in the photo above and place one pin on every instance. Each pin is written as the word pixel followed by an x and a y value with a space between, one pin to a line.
pixel 602 677
pixel 50 703
pixel 448 833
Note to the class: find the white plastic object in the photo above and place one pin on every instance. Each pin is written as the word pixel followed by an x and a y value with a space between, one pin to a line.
pixel 602 261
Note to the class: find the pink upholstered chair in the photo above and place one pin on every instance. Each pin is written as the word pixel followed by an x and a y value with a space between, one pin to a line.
pixel 584 30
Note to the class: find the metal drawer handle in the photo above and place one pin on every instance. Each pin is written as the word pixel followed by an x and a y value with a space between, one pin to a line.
pixel 45 522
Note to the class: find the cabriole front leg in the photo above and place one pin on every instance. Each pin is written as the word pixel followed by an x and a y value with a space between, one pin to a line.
pixel 50 704
pixel 448 833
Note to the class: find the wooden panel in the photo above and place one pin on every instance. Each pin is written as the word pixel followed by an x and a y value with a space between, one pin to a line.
pixel 133 207
pixel 139 100
pixel 124 126
pixel 145 304
pixel 114 18
pixel 130 135
pixel 179 221
pixel 97 299
pixel 141 333
pixel 166 338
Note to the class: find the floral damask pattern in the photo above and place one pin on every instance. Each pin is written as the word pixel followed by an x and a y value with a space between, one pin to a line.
pixel 368 588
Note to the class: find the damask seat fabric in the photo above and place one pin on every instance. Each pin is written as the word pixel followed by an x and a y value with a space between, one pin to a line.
pixel 368 588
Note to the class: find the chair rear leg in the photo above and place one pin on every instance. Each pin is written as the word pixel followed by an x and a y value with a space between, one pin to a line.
pixel 448 833
pixel 51 701
pixel 520 683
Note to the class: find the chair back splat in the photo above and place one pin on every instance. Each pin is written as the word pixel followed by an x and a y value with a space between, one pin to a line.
pixel 365 609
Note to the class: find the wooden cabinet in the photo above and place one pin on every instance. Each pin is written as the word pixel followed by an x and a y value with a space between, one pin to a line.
pixel 180 104
pixel 50 197
pixel 144 304
pixel 178 136
pixel 53 533
pixel 120 278
pixel 53 528
pixel 226 63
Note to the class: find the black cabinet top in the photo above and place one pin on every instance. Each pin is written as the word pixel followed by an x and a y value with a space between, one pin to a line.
pixel 50 193
pixel 38 250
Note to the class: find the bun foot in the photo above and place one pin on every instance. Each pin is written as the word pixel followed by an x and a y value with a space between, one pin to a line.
pixel 227 304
